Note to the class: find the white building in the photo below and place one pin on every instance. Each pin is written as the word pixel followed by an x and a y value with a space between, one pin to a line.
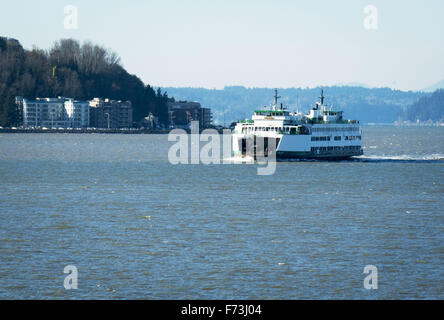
pixel 78 113
pixel 55 113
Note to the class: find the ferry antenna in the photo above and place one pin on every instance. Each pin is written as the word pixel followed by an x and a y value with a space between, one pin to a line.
pixel 322 97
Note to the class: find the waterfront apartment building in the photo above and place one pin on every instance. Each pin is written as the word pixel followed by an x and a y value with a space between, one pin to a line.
pixel 78 113
pixel 54 112
pixel 206 117
pixel 181 113
pixel 106 113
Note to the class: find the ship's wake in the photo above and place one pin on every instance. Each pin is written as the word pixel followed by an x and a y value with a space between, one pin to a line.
pixel 436 157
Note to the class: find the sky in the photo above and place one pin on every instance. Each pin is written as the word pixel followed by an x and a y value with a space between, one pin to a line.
pixel 253 43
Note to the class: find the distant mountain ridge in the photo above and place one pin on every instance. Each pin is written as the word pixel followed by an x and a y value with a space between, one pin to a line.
pixel 436 86
pixel 368 105
pixel 354 84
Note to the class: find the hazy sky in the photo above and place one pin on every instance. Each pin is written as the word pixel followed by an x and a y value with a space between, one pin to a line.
pixel 255 43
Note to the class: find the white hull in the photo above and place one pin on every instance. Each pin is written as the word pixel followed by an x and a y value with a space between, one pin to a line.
pixel 299 146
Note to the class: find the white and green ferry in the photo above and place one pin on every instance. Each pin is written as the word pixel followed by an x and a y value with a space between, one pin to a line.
pixel 321 134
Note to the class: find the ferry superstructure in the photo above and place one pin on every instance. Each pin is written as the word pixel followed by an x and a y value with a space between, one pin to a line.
pixel 321 134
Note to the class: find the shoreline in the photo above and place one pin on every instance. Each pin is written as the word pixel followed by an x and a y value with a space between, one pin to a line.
pixel 84 131
pixel 167 131
pixel 89 131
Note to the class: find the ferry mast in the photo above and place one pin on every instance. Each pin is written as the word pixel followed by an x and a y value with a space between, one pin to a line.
pixel 276 97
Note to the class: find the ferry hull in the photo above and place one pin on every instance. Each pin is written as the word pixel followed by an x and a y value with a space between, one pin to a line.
pixel 333 156
pixel 293 147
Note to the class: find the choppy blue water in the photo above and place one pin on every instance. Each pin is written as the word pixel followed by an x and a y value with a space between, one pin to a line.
pixel 136 226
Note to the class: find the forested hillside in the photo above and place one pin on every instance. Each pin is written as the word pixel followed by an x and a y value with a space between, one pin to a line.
pixel 72 70
pixel 84 71
pixel 428 108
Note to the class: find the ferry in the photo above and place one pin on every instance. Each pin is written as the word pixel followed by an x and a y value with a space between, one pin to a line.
pixel 321 134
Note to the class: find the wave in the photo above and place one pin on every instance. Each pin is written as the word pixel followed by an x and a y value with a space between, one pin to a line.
pixel 237 159
pixel 435 157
